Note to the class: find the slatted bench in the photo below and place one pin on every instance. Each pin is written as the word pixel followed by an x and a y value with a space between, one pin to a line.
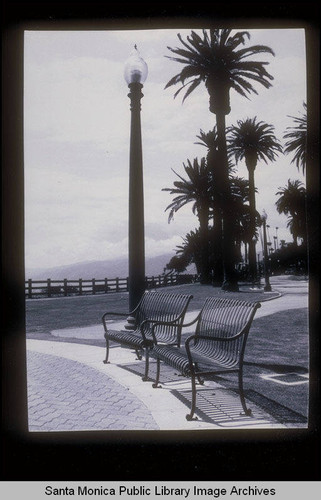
pixel 218 345
pixel 162 312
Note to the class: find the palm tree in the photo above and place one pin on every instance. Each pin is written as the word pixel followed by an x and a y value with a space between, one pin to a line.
pixel 209 140
pixel 191 250
pixel 196 188
pixel 297 142
pixel 178 263
pixel 292 204
pixel 252 141
pixel 216 60
pixel 240 194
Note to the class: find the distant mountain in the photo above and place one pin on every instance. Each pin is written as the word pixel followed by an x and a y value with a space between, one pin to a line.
pixel 100 269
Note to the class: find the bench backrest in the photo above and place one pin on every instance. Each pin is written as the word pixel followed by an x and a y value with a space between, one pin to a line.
pixel 225 318
pixel 160 306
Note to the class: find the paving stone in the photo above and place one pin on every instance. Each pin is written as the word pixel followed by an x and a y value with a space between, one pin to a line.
pixel 67 395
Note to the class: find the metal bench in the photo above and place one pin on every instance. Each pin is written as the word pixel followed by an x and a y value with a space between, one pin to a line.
pixel 164 312
pixel 218 345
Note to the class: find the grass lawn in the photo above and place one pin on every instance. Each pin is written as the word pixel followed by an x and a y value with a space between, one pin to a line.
pixel 278 349
pixel 45 315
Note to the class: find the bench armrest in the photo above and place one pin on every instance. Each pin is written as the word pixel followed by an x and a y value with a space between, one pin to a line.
pixel 130 313
pixel 210 339
pixel 191 322
pixel 155 323
pixel 111 313
pixel 172 323
pixel 213 338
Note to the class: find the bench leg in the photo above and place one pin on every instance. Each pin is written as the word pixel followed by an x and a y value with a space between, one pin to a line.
pixel 200 381
pixel 156 383
pixel 138 354
pixel 189 416
pixel 107 351
pixel 146 377
pixel 247 410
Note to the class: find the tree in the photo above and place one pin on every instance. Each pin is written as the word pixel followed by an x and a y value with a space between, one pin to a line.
pixel 215 59
pixel 190 251
pixel 252 141
pixel 292 203
pixel 178 263
pixel 209 140
pixel 196 189
pixel 297 142
pixel 240 195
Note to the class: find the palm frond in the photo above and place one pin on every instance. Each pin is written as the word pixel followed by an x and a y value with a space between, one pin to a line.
pixel 297 140
pixel 214 55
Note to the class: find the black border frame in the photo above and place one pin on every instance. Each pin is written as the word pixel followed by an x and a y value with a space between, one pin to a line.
pixel 269 455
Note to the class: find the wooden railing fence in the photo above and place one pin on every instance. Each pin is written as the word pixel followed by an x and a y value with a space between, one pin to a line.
pixel 63 288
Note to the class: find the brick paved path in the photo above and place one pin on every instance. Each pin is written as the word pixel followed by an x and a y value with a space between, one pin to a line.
pixel 66 395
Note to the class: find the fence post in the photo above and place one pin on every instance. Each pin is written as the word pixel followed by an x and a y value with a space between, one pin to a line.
pixel 49 287
pixel 117 284
pixel 65 287
pixel 106 285
pixel 80 286
pixel 127 286
pixel 93 286
pixel 30 288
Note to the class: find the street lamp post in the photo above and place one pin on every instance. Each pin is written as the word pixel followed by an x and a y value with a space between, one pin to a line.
pixel 255 276
pixel 267 286
pixel 135 74
pixel 275 247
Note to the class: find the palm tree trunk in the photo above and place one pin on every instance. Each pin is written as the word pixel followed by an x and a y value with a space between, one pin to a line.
pixel 228 240
pixel 245 253
pixel 252 242
pixel 204 237
pixel 217 257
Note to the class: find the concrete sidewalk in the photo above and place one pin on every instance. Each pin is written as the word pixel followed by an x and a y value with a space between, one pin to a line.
pixel 70 388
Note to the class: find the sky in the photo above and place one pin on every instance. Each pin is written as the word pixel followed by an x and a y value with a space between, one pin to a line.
pixel 76 139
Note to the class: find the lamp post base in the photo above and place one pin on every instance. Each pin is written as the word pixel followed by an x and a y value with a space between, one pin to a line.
pixel 131 323
pixel 229 286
